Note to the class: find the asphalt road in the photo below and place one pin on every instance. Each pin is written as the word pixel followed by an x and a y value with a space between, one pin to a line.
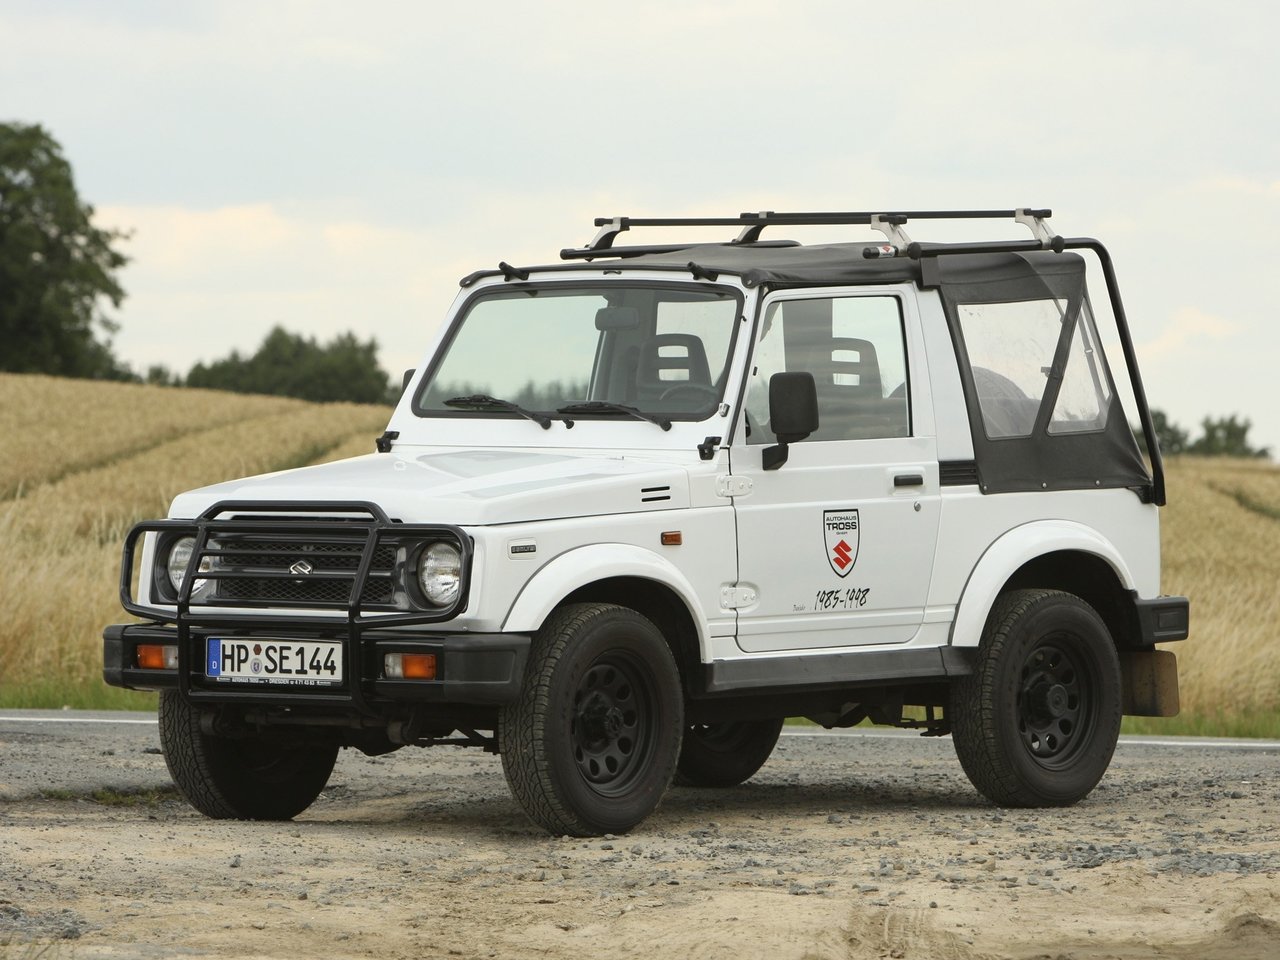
pixel 79 751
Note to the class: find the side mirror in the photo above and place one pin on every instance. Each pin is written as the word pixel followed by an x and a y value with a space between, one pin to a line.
pixel 793 414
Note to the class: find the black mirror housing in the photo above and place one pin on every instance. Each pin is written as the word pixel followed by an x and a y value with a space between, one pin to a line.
pixel 793 406
pixel 793 413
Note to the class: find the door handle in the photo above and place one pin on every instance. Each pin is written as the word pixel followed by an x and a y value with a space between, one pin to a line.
pixel 909 480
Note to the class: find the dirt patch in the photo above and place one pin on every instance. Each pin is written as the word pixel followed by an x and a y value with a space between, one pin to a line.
pixel 842 847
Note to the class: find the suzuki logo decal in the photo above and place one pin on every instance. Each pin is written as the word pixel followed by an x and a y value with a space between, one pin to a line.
pixel 840 534
pixel 301 567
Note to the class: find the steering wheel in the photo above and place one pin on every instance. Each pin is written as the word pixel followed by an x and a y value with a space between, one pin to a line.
pixel 700 391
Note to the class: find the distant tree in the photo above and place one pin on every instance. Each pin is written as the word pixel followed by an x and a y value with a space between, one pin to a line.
pixel 56 267
pixel 290 365
pixel 160 375
pixel 1172 438
pixel 1226 437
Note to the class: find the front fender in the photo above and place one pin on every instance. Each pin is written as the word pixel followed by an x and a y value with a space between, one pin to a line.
pixel 586 565
pixel 1020 545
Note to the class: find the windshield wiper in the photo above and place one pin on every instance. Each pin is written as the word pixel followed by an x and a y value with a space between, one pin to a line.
pixel 606 406
pixel 483 401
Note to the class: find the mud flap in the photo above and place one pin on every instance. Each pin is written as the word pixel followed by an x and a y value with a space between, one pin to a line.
pixel 1150 683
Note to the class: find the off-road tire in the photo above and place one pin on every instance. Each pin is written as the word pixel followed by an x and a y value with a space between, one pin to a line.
pixel 725 754
pixel 1036 724
pixel 240 779
pixel 591 744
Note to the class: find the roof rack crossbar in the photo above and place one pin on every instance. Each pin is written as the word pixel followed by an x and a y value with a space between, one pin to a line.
pixel 754 223
pixel 587 253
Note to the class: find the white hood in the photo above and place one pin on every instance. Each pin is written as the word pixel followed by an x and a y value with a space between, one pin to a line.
pixel 467 486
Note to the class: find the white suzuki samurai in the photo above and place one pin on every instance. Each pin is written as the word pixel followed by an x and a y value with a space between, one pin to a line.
pixel 637 507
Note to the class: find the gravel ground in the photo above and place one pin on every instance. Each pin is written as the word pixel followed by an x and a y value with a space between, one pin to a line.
pixel 845 846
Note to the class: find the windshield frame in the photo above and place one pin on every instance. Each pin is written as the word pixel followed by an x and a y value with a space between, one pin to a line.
pixel 721 377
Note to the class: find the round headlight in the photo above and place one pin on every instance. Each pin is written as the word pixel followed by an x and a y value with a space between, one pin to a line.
pixel 440 573
pixel 179 557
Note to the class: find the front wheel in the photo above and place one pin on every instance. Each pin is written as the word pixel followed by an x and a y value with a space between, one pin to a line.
pixel 1036 724
pixel 240 779
pixel 591 744
pixel 725 754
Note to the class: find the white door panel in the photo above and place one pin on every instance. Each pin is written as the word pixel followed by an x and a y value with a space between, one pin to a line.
pixel 787 555
pixel 837 544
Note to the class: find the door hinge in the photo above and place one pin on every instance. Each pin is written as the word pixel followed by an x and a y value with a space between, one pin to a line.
pixel 731 598
pixel 728 485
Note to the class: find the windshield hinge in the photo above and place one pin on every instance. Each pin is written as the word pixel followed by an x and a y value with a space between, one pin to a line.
pixel 728 485
pixel 733 597
pixel 384 442
pixel 707 448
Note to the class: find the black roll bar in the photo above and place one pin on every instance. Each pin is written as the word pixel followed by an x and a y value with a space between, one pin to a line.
pixel 925 252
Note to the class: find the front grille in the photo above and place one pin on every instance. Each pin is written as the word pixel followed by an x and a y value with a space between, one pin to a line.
pixel 303 571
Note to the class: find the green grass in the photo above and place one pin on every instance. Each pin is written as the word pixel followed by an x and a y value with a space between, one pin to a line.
pixel 1264 725
pixel 65 694
pixel 111 797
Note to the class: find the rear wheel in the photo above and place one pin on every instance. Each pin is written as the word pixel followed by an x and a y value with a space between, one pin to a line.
pixel 240 779
pixel 591 745
pixel 1036 724
pixel 725 754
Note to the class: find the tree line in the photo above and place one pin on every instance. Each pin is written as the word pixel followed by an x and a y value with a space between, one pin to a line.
pixel 1219 437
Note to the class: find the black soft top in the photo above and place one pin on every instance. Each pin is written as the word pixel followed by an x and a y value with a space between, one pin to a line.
pixel 816 265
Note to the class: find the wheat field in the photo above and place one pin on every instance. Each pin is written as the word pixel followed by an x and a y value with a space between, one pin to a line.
pixel 82 461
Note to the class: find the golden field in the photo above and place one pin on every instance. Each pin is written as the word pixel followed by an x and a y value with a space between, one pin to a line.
pixel 1220 539
pixel 81 461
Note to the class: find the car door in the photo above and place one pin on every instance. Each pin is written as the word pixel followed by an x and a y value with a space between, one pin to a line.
pixel 835 547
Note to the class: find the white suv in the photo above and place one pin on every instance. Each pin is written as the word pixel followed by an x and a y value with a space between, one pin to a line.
pixel 637 507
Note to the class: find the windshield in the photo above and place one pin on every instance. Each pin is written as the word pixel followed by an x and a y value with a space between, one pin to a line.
pixel 586 351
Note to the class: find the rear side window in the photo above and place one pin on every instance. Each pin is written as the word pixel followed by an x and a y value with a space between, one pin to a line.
pixel 1012 348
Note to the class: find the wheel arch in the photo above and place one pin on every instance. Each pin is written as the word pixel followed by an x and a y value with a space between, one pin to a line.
pixel 1054 555
pixel 627 576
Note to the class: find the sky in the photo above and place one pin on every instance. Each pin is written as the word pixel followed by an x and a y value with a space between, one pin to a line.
pixel 331 166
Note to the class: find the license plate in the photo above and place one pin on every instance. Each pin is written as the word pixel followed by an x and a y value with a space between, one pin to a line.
pixel 306 663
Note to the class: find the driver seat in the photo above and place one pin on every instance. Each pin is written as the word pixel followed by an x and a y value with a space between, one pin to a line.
pixel 670 360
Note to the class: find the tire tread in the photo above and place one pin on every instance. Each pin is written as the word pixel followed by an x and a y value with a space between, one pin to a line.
pixel 974 704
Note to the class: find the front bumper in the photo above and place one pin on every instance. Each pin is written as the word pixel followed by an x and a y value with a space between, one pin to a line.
pixel 480 669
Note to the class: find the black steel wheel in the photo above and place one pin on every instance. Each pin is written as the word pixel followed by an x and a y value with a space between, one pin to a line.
pixel 1036 724
pixel 240 779
pixel 727 753
pixel 591 745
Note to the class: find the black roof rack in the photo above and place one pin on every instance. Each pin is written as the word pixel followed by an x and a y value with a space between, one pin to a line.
pixel 888 222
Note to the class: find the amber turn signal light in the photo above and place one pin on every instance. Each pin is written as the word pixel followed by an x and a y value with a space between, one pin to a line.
pixel 155 656
pixel 410 666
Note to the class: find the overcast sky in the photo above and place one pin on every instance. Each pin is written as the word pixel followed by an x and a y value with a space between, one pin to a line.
pixel 339 166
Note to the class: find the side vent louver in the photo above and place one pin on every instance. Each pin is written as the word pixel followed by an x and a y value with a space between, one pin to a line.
pixel 654 494
pixel 958 473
